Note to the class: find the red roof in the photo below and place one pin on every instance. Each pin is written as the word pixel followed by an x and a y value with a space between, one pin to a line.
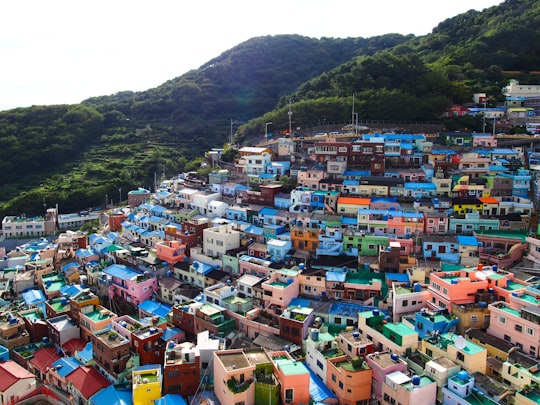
pixel 10 373
pixel 87 380
pixel 73 345
pixel 44 358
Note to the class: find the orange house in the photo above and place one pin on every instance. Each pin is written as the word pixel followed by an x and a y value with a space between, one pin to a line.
pixel 293 377
pixel 462 286
pixel 170 251
pixel 350 379
pixel 305 238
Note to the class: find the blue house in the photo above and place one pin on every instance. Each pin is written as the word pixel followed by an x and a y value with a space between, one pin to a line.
pixel 278 249
pixel 441 247
pixel 34 298
pixel 282 201
pixel 281 168
pixel 237 213
pixel 420 190
pixel 267 216
pixel 330 242
pixel 429 323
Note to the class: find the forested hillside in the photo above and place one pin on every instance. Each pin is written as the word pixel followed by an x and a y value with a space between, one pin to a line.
pixel 76 155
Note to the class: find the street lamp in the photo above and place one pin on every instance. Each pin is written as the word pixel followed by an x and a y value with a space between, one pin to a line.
pixel 356 123
pixel 266 130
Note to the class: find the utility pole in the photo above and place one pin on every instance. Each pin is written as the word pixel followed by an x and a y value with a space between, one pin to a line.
pixel 290 119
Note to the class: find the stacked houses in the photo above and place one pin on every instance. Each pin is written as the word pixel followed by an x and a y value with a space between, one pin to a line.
pixel 387 274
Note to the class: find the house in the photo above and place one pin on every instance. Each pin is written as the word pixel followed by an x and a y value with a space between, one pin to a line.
pixel 467 354
pixel 233 377
pixel 62 329
pixel 382 364
pixel 408 300
pixel 42 361
pixel 349 378
pixel 280 288
pixel 294 323
pixel 111 352
pixel 400 388
pixel 147 381
pixel 128 284
pixel 218 240
pixel 84 382
pixel 12 331
pixel 94 319
pixel 293 376
pixel 181 369
pixel 170 251
pixel 15 382
pixel 147 342
pixel 394 337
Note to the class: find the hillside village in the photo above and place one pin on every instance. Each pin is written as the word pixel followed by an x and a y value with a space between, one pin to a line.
pixel 399 269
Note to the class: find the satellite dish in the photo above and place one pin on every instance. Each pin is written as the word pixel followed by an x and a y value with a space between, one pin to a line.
pixel 460 342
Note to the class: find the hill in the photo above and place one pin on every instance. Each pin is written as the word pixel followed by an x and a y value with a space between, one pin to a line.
pixel 85 155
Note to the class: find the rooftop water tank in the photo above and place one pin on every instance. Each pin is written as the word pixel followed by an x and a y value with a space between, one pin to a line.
pixel 416 380
pixel 483 304
pixel 314 334
pixel 171 344
pixel 302 266
pixel 375 312
pixel 394 357
pixel 494 268
pixel 417 287
pixel 356 334
pixel 463 375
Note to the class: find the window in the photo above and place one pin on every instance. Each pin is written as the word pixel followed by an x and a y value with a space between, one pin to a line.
pixel 507 338
pixel 460 356
pixel 405 303
pixel 333 377
pixel 502 319
pixel 518 328
pixel 474 318
pixel 337 320
pixel 289 395
pixel 529 331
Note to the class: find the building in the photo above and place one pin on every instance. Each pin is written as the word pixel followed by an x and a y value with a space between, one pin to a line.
pixel 15 382
pixel 111 352
pixel 146 380
pixel 83 382
pixel 218 240
pixel 181 369
pixel 233 377
pixel 129 285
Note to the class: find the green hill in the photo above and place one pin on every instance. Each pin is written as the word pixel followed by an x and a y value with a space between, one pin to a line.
pixel 78 156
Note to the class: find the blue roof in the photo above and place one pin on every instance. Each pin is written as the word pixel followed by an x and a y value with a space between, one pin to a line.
pixel 351 182
pixel 303 302
pixel 113 396
pixel 318 389
pixel 122 272
pixel 67 365
pixel 155 308
pixel 425 186
pixel 84 253
pixel 266 176
pixel 145 367
pixel 171 399
pixel 69 266
pixel 203 268
pixel 349 220
pixel 255 230
pixel 170 333
pixel 467 240
pixel 86 354
pixel 349 309
pixel 401 277
pixel 268 211
pixel 34 296
pixel 70 290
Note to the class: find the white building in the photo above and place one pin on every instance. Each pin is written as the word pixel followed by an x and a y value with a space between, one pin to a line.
pixel 218 240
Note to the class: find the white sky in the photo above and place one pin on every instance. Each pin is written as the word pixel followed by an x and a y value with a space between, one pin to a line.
pixel 64 51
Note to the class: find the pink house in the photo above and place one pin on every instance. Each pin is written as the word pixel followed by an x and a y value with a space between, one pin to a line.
pixel 293 377
pixel 310 178
pixel 129 284
pixel 435 223
pixel 517 321
pixel 282 286
pixel 383 364
pixel 233 377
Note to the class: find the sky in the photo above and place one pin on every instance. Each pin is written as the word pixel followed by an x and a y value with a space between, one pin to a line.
pixel 65 51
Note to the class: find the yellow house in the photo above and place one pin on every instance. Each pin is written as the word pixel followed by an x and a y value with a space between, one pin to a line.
pixel 146 384
pixel 466 206
pixel 470 356
pixel 351 205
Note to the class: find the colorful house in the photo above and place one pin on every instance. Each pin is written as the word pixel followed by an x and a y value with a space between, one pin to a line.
pixel 129 284
pixel 146 382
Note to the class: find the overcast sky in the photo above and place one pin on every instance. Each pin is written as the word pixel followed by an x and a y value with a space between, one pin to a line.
pixel 64 51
